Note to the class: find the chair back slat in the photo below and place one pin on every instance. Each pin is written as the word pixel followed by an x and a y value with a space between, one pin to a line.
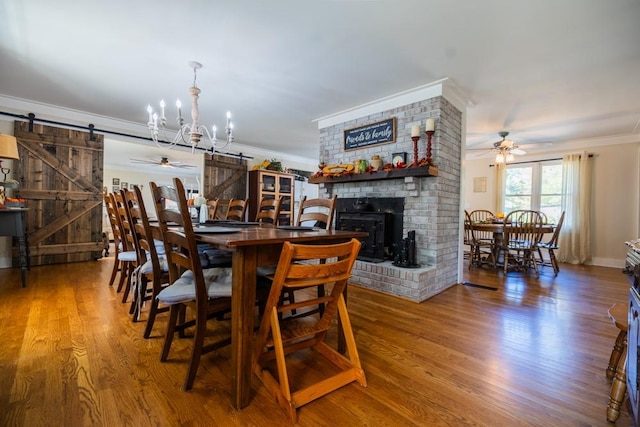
pixel 320 211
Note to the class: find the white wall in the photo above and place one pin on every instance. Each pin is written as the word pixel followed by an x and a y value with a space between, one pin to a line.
pixel 615 196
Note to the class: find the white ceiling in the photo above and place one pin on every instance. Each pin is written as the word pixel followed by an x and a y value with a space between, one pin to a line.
pixel 544 70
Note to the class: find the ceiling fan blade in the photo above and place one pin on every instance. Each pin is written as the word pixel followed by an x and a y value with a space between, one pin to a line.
pixel 148 162
pixel 518 151
pixel 176 165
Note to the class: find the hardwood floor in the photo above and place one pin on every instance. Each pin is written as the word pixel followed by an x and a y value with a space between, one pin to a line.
pixel 520 351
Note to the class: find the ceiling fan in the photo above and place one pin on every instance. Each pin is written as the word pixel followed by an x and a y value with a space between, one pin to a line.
pixel 505 149
pixel 163 162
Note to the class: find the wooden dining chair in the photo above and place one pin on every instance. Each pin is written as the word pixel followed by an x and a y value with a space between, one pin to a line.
pixel 479 216
pixel 212 208
pixel 280 335
pixel 154 270
pixel 236 209
pixel 617 367
pixel 121 257
pixel 269 211
pixel 208 294
pixel 551 246
pixel 317 212
pixel 522 233
pixel 129 256
pixel 481 250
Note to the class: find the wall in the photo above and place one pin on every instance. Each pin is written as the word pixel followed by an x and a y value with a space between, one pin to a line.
pixel 616 190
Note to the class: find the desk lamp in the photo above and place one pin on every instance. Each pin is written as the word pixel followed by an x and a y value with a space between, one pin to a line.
pixel 8 150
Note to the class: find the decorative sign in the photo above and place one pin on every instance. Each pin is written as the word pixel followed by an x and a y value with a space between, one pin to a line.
pixel 381 132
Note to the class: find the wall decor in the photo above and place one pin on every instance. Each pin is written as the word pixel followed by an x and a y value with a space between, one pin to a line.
pixel 381 132
pixel 480 184
pixel 115 188
pixel 124 185
pixel 116 181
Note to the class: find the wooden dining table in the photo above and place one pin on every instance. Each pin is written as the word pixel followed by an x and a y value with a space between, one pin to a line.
pixel 251 247
pixel 497 228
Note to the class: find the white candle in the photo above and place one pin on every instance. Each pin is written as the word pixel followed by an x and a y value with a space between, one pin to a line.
pixel 415 130
pixel 150 111
pixel 179 105
pixel 162 108
pixel 430 125
pixel 214 129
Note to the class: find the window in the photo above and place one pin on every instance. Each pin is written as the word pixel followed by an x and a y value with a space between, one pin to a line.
pixel 535 186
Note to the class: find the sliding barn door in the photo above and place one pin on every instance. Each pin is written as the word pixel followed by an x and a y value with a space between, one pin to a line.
pixel 60 174
pixel 224 177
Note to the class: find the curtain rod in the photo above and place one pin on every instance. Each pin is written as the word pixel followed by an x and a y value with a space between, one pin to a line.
pixel 535 161
pixel 91 128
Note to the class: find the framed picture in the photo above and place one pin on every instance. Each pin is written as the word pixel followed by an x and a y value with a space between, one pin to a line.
pixel 397 158
pixel 115 188
pixel 124 185
pixel 116 181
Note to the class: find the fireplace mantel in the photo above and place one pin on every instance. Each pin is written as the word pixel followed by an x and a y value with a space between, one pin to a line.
pixel 421 171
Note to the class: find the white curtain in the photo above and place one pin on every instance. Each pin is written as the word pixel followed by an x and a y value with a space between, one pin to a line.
pixel 575 236
pixel 498 203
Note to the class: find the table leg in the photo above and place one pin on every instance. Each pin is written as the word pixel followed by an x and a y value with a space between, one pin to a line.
pixel 243 298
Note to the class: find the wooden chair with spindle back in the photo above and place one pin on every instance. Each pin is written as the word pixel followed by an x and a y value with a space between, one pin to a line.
pixel 551 246
pixel 617 368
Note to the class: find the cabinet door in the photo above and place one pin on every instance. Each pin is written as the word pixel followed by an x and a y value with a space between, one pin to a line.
pixel 285 189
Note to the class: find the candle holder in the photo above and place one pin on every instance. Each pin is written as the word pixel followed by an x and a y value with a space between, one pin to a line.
pixel 428 154
pixel 415 140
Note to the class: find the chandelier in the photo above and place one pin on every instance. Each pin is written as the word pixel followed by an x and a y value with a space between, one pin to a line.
pixel 189 133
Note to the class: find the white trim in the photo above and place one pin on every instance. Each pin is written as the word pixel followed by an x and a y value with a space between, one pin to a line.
pixel 445 87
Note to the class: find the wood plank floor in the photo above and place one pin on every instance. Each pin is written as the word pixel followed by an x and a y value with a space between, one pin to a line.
pixel 525 353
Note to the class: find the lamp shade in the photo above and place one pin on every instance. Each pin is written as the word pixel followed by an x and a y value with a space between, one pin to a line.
pixel 8 147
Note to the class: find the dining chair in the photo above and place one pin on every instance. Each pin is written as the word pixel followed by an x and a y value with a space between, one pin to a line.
pixel 482 215
pixel 121 258
pixel 522 233
pixel 551 246
pixel 617 367
pixel 153 269
pixel 129 256
pixel 208 294
pixel 212 208
pixel 481 250
pixel 236 209
pixel 279 335
pixel 320 211
pixel 269 211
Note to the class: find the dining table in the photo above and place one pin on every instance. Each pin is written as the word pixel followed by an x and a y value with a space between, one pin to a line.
pixel 253 246
pixel 498 228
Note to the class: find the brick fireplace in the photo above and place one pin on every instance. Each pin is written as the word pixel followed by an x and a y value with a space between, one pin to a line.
pixel 431 205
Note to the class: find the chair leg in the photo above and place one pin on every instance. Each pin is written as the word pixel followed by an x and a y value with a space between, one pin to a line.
pixel 171 330
pixel 618 348
pixel 554 262
pixel 196 353
pixel 618 389
pixel 114 272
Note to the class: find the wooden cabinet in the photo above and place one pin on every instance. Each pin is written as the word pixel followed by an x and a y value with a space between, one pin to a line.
pixel 272 185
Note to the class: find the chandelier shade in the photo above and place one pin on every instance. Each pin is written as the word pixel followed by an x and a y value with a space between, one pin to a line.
pixel 190 134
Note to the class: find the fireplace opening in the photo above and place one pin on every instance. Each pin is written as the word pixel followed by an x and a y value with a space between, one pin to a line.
pixel 381 217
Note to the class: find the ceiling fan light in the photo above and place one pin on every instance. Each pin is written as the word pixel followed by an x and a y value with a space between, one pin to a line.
pixel 500 158
pixel 509 158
